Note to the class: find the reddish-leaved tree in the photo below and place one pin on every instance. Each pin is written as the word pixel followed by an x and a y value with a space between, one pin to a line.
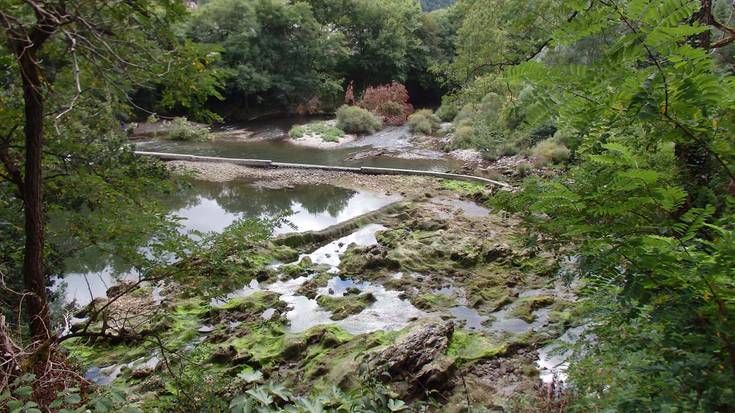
pixel 391 102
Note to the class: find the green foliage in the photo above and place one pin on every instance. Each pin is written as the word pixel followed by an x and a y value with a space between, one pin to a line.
pixel 550 151
pixel 353 119
pixel 183 130
pixel 448 110
pixel 647 205
pixel 275 398
pixel 424 121
pixel 217 262
pixel 327 132
pixel 381 35
pixel 18 398
pixel 271 50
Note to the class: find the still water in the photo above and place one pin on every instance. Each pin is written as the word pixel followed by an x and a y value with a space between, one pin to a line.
pixel 212 207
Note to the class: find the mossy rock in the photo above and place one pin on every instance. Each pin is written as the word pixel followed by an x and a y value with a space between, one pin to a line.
pixel 433 302
pixel 343 307
pixel 524 307
pixel 246 309
pixel 466 346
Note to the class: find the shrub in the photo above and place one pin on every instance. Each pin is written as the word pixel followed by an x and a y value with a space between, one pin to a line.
pixel 463 136
pixel 448 110
pixel 550 151
pixel 391 102
pixel 353 119
pixel 297 132
pixel 424 121
pixel 509 149
pixel 524 169
pixel 466 114
pixel 180 129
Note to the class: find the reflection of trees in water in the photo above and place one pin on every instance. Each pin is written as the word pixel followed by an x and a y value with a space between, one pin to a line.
pixel 320 198
pixel 234 197
pixel 240 197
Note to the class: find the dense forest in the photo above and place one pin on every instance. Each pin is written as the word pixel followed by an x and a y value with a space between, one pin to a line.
pixel 551 229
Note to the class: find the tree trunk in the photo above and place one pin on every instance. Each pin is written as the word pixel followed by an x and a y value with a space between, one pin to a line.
pixel 34 280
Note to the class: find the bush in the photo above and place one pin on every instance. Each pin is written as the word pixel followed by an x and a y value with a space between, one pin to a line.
pixel 180 129
pixel 424 121
pixel 524 169
pixel 448 110
pixel 353 119
pixel 391 102
pixel 297 132
pixel 550 151
pixel 509 149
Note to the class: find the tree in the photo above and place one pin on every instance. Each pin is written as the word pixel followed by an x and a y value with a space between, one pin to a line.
pixel 275 52
pixel 648 205
pixel 381 36
pixel 66 57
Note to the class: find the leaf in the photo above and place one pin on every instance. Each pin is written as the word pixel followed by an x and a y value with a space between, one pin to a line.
pixel 396 405
pixel 23 392
pixel 261 396
pixel 72 399
pixel 250 375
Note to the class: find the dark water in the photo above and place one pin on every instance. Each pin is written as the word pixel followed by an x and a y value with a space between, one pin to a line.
pixel 211 206
pixel 270 141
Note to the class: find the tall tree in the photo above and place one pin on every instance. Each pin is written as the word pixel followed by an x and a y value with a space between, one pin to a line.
pixel 65 54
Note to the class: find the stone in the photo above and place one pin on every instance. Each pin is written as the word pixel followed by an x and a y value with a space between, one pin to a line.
pixel 418 349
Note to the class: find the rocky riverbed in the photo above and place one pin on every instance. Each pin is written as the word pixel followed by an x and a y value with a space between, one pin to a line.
pixel 433 295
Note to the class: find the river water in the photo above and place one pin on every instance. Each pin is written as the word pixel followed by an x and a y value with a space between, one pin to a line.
pixel 213 206
pixel 389 148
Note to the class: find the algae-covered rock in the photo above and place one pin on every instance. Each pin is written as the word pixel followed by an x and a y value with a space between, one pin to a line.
pixel 246 309
pixel 308 289
pixel 358 259
pixel 433 302
pixel 524 307
pixel 343 307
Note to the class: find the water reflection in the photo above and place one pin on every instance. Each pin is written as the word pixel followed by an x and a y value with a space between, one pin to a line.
pixel 210 206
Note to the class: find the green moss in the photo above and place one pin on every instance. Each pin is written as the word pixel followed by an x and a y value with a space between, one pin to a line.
pixel 470 346
pixel 343 307
pixel 264 345
pixel 256 302
pixel 464 188
pixel 433 302
pixel 524 307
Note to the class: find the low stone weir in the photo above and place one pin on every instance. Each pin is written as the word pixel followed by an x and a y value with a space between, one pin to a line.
pixel 307 239
pixel 366 170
